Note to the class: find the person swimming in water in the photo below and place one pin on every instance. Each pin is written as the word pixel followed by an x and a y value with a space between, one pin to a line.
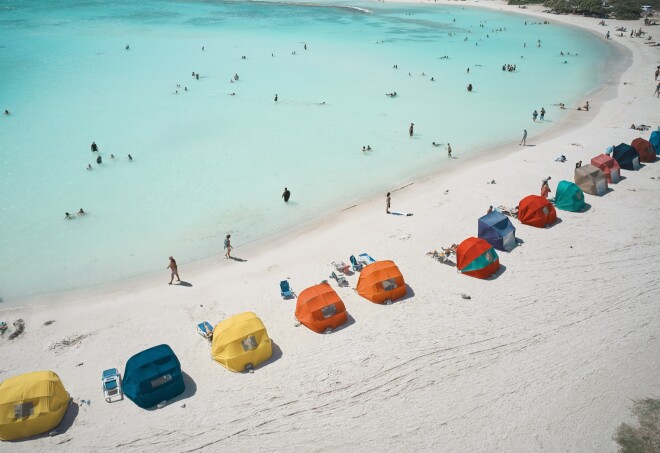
pixel 81 212
pixel 94 147
pixel 130 157
pixel 99 160
pixel 469 87
pixel 276 97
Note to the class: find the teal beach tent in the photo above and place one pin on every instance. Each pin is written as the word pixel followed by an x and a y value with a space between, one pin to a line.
pixel 569 197
pixel 152 376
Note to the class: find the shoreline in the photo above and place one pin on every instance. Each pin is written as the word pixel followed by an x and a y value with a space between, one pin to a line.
pixel 557 344
pixel 474 157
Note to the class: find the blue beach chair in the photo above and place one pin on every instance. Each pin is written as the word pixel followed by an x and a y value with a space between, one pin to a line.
pixel 111 381
pixel 286 290
pixel 357 267
pixel 366 259
pixel 205 329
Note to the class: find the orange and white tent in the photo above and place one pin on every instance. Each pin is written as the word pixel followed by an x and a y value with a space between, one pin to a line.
pixel 320 308
pixel 381 281
pixel 536 211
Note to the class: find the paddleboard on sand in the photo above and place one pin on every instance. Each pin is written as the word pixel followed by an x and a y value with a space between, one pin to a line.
pixel 408 214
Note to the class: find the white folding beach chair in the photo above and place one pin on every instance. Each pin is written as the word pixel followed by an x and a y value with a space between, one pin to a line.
pixel 205 329
pixel 111 382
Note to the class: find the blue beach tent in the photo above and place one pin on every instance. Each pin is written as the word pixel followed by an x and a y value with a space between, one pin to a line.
pixel 569 197
pixel 654 140
pixel 626 156
pixel 152 376
pixel 496 229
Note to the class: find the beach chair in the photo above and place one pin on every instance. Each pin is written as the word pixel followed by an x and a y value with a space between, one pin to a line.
pixel 365 259
pixel 286 290
pixel 341 267
pixel 341 280
pixel 111 381
pixel 205 329
pixel 357 267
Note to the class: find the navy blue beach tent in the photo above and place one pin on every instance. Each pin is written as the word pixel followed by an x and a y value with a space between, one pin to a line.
pixel 496 229
pixel 152 376
pixel 626 156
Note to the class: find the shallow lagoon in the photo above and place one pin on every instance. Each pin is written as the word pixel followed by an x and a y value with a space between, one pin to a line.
pixel 207 163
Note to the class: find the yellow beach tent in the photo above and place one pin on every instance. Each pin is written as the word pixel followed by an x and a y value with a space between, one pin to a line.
pixel 241 342
pixel 31 404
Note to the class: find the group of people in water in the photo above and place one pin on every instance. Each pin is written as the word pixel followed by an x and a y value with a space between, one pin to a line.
pixel 69 216
pixel 99 160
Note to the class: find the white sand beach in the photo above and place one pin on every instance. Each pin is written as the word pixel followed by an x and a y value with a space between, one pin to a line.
pixel 547 356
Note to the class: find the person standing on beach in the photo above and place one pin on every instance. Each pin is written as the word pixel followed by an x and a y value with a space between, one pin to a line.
pixel 286 195
pixel 523 142
pixel 657 73
pixel 228 246
pixel 411 129
pixel 388 201
pixel 545 188
pixel 448 150
pixel 174 270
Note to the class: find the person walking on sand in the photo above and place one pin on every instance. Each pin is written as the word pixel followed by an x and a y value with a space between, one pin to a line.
pixel 411 129
pixel 523 142
pixel 388 201
pixel 286 195
pixel 448 150
pixel 657 91
pixel 174 270
pixel 228 246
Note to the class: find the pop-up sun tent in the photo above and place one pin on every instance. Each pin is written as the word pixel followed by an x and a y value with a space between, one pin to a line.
pixel 645 150
pixel 477 258
pixel 591 180
pixel 609 166
pixel 496 229
pixel 152 376
pixel 320 308
pixel 569 197
pixel 241 342
pixel 654 140
pixel 626 156
pixel 536 211
pixel 31 404
pixel 381 281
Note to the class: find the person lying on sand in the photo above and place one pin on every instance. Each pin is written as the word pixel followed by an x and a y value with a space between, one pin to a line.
pixel 444 254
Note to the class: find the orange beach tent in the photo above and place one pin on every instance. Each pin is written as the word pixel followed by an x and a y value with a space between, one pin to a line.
pixel 477 258
pixel 609 166
pixel 319 308
pixel 381 281
pixel 645 150
pixel 536 211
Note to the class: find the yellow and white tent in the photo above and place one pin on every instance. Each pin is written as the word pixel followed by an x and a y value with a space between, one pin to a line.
pixel 241 342
pixel 31 404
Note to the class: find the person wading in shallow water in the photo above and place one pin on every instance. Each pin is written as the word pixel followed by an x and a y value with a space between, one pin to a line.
pixel 411 129
pixel 286 195
pixel 388 201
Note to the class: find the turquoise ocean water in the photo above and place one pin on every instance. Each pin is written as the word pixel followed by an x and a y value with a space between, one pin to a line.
pixel 207 163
